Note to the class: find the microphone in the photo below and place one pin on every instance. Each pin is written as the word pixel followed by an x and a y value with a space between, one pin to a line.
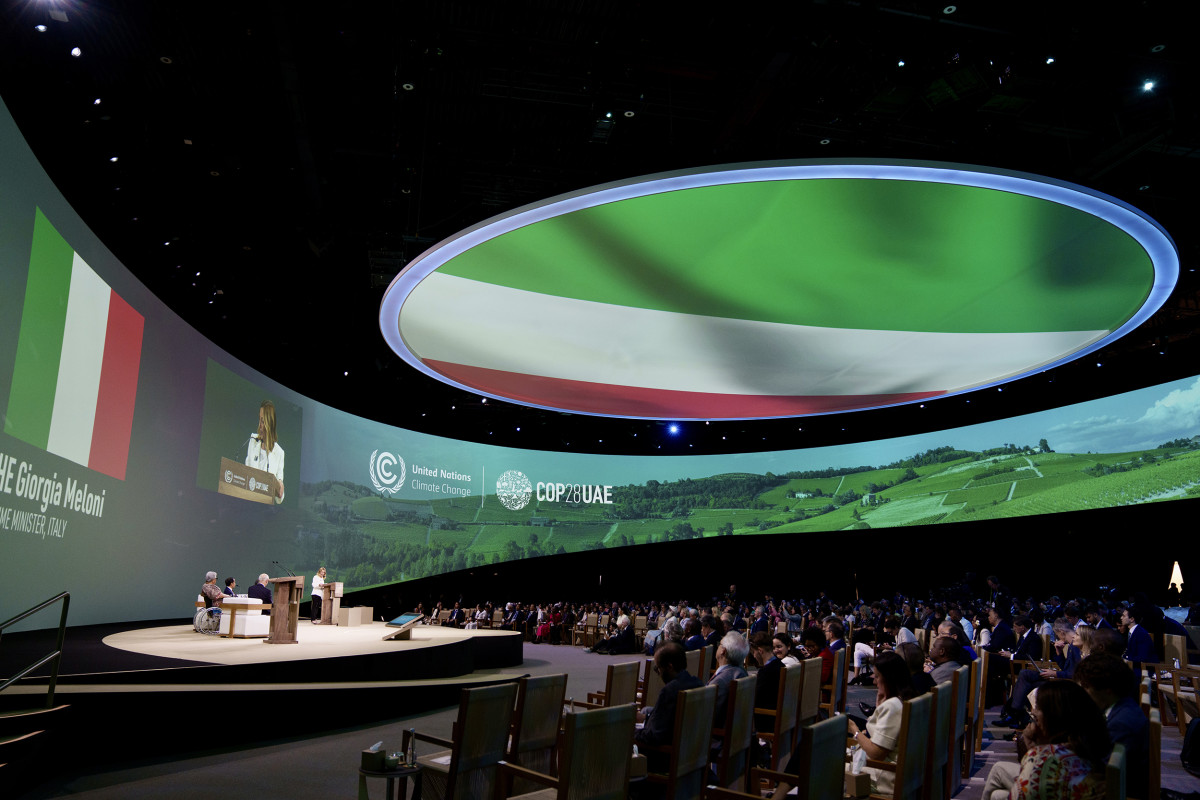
pixel 244 445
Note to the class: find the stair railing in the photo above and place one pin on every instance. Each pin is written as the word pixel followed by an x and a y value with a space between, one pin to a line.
pixel 55 655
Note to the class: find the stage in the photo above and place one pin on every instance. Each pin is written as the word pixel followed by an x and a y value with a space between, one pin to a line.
pixel 172 681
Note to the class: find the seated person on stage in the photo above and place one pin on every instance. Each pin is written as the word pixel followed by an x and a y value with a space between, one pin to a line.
pixel 622 641
pixel 659 729
pixel 213 596
pixel 231 587
pixel 1112 684
pixel 261 591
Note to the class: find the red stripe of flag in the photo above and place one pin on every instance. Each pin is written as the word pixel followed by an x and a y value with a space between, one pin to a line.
pixel 118 389
pixel 634 401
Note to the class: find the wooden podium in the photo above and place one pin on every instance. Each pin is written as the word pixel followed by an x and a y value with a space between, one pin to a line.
pixel 248 483
pixel 285 609
pixel 331 602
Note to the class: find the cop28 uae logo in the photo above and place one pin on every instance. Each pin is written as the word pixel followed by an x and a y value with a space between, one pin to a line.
pixel 386 480
pixel 514 490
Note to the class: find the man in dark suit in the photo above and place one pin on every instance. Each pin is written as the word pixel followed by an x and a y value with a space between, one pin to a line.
pixel 670 661
pixel 710 630
pixel 1002 633
pixel 261 592
pixel 760 621
pixel 1112 685
pixel 1029 643
pixel 1140 647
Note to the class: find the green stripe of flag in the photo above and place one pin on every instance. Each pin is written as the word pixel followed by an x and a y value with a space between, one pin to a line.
pixel 39 344
pixel 872 254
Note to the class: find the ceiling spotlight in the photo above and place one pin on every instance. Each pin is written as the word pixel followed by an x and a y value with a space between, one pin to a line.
pixel 408 87
pixel 1144 187
pixel 825 141
pixel 608 115
pixel 1158 48
pixel 1050 60
pixel 345 374
pixel 949 9
pixel 673 429
pixel 629 113
pixel 113 159
pixel 40 28
pixel 75 51
pixel 166 60
pixel 1148 86
pixel 96 102
pixel 899 63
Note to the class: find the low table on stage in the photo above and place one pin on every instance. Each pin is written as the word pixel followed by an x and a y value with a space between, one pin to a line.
pixel 285 609
pixel 242 618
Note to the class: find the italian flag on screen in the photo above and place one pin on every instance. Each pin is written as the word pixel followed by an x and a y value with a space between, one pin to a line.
pixel 78 354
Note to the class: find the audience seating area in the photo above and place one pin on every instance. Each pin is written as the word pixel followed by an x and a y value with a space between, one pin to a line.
pixel 556 747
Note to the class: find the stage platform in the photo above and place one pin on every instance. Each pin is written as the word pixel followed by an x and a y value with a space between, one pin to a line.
pixel 173 681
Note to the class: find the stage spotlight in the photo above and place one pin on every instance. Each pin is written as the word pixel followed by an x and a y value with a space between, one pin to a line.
pixel 408 87
pixel 113 159
pixel 899 63
pixel 949 9
pixel 40 28
pixel 629 113
pixel 96 102
pixel 824 141
pixel 608 115
pixel 75 51
pixel 673 429
pixel 1148 86
pixel 1158 48
pixel 1050 60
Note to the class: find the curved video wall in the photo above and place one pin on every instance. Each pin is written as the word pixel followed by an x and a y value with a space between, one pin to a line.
pixel 126 437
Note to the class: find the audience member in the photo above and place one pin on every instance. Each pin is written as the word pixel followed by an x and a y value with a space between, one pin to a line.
pixel 1111 684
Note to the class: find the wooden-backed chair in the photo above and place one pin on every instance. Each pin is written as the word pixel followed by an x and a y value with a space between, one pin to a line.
pixel 922 640
pixel 736 734
pixel 1174 653
pixel 961 698
pixel 620 687
pixel 584 631
pixel 908 769
pixel 707 654
pixel 639 630
pixel 687 771
pixel 817 762
pixel 477 745
pixel 833 694
pixel 649 686
pixel 1155 783
pixel 1194 635
pixel 939 741
pixel 782 735
pixel 1114 774
pixel 1183 692
pixel 533 738
pixel 694 658
pixel 979 704
pixel 810 691
pixel 593 763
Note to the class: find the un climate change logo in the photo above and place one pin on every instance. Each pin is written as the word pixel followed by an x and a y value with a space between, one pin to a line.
pixel 386 481
pixel 514 490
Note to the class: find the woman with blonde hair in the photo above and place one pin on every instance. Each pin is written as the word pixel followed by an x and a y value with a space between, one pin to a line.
pixel 264 451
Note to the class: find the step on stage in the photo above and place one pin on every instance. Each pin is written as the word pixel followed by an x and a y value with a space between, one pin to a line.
pixel 167 685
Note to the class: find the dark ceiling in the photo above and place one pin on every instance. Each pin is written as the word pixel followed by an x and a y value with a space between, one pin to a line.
pixel 324 149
